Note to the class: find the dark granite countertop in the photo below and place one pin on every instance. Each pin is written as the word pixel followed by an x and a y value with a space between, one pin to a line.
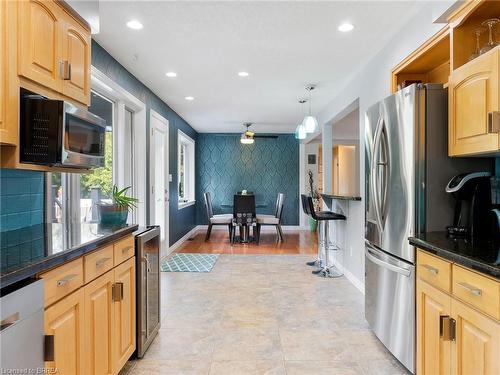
pixel 31 250
pixel 341 197
pixel 480 255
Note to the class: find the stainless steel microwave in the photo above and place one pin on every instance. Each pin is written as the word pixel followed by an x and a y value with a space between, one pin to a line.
pixel 57 133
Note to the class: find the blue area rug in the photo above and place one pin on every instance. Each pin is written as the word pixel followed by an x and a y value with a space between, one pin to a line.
pixel 183 262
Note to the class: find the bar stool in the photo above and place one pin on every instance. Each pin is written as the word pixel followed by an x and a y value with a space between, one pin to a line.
pixel 323 218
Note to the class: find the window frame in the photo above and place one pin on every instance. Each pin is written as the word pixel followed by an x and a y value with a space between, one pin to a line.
pixel 183 140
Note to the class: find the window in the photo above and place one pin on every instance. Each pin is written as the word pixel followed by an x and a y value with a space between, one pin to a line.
pixel 98 184
pixel 185 169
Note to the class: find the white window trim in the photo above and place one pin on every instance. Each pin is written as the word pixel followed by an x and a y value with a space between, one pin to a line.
pixel 123 99
pixel 183 138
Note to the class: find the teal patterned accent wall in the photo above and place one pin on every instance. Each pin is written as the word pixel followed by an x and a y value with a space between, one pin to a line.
pixel 267 167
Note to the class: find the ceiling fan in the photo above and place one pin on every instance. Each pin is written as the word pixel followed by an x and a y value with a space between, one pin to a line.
pixel 248 136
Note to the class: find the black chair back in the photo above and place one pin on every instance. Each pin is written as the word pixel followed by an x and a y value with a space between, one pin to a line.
pixel 244 208
pixel 208 205
pixel 279 206
pixel 308 206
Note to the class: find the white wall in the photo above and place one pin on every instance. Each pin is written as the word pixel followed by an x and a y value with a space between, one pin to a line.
pixel 369 85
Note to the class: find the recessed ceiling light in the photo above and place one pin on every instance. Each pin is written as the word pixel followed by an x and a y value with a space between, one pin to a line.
pixel 243 74
pixel 171 74
pixel 134 24
pixel 190 98
pixel 346 26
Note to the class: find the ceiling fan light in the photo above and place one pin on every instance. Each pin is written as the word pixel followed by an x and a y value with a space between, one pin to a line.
pixel 246 140
pixel 310 124
pixel 300 132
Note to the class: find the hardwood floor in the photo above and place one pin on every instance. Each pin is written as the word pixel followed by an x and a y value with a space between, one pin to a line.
pixel 296 242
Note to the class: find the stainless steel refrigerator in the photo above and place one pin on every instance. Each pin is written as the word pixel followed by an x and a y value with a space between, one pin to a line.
pixel 406 169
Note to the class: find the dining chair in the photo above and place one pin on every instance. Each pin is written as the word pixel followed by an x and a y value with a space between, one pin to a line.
pixel 273 220
pixel 224 219
pixel 243 215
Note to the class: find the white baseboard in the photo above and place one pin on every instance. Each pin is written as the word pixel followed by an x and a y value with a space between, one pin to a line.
pixel 349 276
pixel 183 239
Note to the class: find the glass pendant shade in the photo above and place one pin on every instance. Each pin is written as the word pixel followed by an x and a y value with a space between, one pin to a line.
pixel 301 133
pixel 310 124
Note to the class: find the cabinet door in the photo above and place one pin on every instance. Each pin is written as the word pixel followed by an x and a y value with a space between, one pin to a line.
pixel 124 338
pixel 64 320
pixel 76 53
pixel 99 329
pixel 40 42
pixel 473 95
pixel 433 353
pixel 477 346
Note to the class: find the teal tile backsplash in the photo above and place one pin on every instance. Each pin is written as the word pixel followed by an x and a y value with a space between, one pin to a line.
pixel 21 199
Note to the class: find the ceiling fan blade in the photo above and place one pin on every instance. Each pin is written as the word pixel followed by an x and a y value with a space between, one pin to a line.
pixel 265 136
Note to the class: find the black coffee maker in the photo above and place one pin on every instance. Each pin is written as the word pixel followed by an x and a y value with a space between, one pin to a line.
pixel 472 193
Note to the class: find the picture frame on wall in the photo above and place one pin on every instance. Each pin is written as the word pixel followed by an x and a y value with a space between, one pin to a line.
pixel 311 159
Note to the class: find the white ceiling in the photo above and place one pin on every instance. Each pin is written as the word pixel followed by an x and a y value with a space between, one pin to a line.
pixel 284 46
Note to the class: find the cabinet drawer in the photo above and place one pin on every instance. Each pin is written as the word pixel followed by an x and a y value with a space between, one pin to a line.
pixel 62 280
pixel 98 262
pixel 479 291
pixel 433 270
pixel 124 249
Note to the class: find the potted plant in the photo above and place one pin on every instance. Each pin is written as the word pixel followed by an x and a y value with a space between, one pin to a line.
pixel 316 197
pixel 116 213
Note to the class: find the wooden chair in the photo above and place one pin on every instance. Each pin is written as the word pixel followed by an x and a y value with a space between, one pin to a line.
pixel 224 219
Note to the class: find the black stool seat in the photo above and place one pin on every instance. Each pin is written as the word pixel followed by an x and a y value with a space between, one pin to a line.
pixel 329 215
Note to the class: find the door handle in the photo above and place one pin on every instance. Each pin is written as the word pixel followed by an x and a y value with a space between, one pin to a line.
pixel 447 328
pixel 471 289
pixel 431 269
pixel 146 261
pixel 370 255
pixel 65 70
pixel 66 279
pixel 48 348
pixel 493 122
pixel 374 180
pixel 117 291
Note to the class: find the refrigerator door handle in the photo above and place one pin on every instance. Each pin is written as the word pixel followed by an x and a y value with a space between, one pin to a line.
pixel 374 179
pixel 386 165
pixel 371 254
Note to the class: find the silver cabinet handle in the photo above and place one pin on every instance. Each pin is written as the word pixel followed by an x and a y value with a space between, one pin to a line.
pixel 66 279
pixel 101 262
pixel 493 122
pixel 126 249
pixel 471 289
pixel 65 70
pixel 431 269
pixel 8 321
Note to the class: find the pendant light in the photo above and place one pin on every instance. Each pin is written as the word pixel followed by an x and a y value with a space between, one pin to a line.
pixel 310 122
pixel 300 132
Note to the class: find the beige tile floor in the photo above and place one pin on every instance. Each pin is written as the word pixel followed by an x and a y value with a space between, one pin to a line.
pixel 262 314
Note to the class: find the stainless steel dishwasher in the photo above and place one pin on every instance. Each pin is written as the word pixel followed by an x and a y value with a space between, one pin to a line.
pixel 22 331
pixel 147 243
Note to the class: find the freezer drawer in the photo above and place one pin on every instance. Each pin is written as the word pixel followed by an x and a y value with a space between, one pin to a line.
pixel 390 303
